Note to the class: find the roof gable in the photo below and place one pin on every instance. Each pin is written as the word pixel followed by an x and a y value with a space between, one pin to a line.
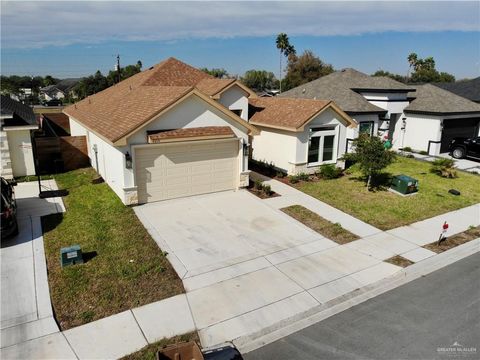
pixel 432 99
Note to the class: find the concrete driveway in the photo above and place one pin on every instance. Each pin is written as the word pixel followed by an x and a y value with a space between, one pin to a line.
pixel 208 232
pixel 247 266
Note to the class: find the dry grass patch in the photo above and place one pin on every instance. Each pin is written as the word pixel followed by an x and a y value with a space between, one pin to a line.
pixel 149 352
pixel 399 261
pixel 455 240
pixel 124 269
pixel 324 227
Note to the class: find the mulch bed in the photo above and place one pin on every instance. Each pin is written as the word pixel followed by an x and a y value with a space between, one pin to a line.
pixel 260 193
pixel 455 240
pixel 399 261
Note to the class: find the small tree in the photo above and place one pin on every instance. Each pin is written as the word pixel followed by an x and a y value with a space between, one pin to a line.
pixel 371 156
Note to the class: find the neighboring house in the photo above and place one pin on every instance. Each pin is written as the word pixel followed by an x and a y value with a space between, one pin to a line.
pixel 17 123
pixel 299 135
pixel 169 131
pixel 434 117
pixel 469 89
pixel 423 117
pixel 60 90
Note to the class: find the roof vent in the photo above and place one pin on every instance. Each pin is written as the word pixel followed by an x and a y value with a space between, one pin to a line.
pixel 303 90
pixel 314 98
pixel 150 68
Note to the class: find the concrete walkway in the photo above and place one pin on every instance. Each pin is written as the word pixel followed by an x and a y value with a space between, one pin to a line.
pixel 26 311
pixel 469 165
pixel 292 196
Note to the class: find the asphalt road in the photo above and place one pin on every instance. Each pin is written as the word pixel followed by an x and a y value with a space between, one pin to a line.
pixel 414 321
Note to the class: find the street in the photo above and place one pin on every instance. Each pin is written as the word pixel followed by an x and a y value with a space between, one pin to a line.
pixel 434 317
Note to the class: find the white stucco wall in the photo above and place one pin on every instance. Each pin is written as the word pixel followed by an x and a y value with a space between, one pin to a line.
pixel 21 152
pixel 352 133
pixel 419 129
pixel 275 146
pixel 235 98
pixel 111 159
pixel 288 150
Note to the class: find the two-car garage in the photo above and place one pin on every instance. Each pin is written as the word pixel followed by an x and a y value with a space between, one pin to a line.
pixel 178 169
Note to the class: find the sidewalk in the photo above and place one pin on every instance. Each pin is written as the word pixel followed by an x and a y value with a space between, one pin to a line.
pixel 25 298
pixel 461 164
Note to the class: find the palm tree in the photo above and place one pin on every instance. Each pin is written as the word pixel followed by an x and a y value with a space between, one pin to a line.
pixel 412 60
pixel 286 49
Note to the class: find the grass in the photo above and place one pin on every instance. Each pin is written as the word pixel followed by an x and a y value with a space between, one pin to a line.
pixel 399 261
pixel 455 240
pixel 324 227
pixel 149 352
pixel 124 269
pixel 386 210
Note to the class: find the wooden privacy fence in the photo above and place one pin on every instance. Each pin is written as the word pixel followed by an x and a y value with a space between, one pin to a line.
pixel 58 154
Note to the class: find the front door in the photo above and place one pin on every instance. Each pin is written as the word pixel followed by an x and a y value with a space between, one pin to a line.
pixel 322 147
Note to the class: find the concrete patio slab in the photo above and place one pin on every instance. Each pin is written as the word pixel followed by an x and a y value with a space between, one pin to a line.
pixel 234 297
pixel 53 346
pixel 390 243
pixel 258 320
pixel 370 249
pixel 165 319
pixel 109 338
pixel 418 254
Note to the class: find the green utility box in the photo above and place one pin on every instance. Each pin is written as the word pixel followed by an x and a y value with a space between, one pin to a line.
pixel 71 255
pixel 404 184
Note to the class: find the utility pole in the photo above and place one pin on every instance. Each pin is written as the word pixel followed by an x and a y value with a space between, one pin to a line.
pixel 118 67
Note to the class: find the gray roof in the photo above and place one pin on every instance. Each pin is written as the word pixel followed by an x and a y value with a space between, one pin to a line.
pixel 341 87
pixel 430 99
pixel 469 89
pixel 19 111
pixel 64 86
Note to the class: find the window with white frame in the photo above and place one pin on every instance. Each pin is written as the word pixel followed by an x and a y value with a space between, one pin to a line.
pixel 322 147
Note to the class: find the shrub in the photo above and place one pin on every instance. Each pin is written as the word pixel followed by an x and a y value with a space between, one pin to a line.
pixel 258 185
pixel 445 168
pixel 303 176
pixel 267 189
pixel 330 171
pixel 407 148
pixel 423 152
pixel 410 156
pixel 281 174
pixel 293 179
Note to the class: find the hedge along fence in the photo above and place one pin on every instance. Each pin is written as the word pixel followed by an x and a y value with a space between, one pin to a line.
pixel 58 154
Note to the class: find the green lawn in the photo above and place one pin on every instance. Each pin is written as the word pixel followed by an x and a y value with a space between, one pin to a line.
pixel 386 210
pixel 126 267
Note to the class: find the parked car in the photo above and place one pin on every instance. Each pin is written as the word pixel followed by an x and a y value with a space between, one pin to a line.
pixel 9 209
pixel 465 147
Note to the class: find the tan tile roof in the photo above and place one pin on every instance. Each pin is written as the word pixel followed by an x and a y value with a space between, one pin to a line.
pixel 285 113
pixel 198 132
pixel 120 109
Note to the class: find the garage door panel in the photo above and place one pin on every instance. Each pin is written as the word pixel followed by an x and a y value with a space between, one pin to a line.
pixel 184 169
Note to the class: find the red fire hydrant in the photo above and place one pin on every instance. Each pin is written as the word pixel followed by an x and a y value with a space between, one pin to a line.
pixel 442 237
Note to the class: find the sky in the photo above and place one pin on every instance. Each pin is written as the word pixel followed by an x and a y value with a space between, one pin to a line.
pixel 73 39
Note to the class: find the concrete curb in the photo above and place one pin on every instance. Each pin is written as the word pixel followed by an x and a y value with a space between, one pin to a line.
pixel 285 327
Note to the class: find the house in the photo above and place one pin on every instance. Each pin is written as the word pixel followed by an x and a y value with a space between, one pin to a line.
pixel 60 90
pixel 434 117
pixel 299 135
pixel 17 124
pixel 169 131
pixel 469 89
pixel 423 117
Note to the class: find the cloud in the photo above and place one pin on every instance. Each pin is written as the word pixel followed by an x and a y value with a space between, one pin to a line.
pixel 37 24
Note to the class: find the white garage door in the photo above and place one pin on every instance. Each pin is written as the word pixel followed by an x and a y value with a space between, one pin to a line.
pixel 174 170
